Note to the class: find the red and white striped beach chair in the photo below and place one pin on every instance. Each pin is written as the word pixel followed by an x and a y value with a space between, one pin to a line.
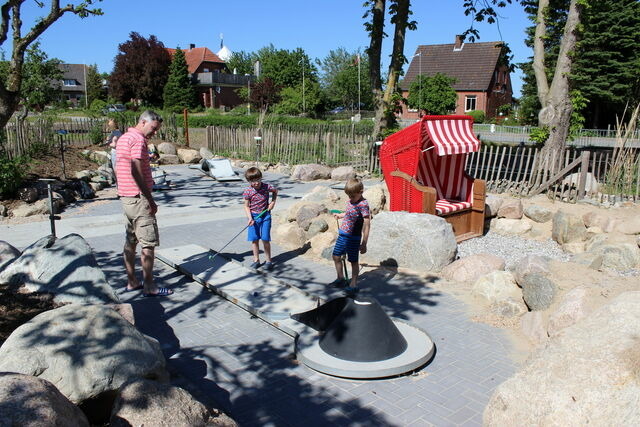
pixel 423 167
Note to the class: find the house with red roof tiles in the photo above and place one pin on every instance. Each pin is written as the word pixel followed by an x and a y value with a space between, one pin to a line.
pixel 215 86
pixel 483 80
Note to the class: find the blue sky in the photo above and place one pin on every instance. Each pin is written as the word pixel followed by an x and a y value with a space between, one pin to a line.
pixel 248 25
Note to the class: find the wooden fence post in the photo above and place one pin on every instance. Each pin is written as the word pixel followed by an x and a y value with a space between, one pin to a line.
pixel 584 169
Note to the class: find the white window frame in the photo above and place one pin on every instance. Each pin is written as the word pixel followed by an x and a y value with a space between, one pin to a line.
pixel 467 100
pixel 69 82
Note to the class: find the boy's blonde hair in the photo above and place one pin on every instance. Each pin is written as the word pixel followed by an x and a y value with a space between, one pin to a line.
pixel 253 174
pixel 353 187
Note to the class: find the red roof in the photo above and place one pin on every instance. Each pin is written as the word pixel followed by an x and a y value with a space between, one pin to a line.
pixel 472 64
pixel 197 56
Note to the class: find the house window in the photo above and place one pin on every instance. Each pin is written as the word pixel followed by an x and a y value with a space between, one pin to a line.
pixel 205 70
pixel 71 82
pixel 469 102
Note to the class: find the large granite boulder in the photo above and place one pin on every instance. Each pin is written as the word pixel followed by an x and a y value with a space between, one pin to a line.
pixel 308 213
pixel 472 267
pixel 568 228
pixel 343 173
pixel 167 148
pixel 538 213
pixel 144 403
pixel 64 267
pixel 8 254
pixel 84 350
pixel 311 172
pixel 27 401
pixel 420 242
pixel 377 198
pixel 510 209
pixel 538 291
pixel 587 375
pixel 189 155
pixel 531 264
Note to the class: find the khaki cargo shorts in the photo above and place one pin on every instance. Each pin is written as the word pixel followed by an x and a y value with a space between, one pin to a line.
pixel 141 227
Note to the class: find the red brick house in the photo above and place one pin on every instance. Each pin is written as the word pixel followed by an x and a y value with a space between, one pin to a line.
pixel 214 84
pixel 483 80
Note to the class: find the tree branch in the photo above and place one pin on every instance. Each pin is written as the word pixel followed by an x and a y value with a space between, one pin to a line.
pixel 538 53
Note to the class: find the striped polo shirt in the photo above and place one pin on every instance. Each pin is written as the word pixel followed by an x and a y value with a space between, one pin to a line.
pixel 132 145
pixel 258 199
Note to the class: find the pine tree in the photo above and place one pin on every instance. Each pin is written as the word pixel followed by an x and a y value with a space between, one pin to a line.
pixel 178 92
pixel 95 85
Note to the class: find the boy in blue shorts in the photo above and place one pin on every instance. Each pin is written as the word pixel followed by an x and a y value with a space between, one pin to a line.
pixel 353 233
pixel 256 200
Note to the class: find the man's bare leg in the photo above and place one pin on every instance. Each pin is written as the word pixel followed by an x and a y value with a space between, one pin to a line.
pixel 147 270
pixel 129 255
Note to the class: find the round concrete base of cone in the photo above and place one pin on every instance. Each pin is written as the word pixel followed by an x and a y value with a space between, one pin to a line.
pixel 419 351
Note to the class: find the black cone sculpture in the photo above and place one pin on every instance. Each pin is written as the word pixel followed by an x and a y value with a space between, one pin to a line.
pixel 361 332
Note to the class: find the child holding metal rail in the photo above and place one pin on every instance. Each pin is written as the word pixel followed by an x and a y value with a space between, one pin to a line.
pixel 258 210
pixel 353 233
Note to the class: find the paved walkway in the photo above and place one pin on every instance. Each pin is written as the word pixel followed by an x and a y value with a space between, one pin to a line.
pixel 226 357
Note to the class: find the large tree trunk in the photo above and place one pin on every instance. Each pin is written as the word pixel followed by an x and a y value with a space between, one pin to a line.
pixel 385 115
pixel 376 31
pixel 555 99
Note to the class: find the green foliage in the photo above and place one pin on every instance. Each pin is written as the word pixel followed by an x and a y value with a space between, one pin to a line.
pixel 433 94
pixel 539 135
pixel 179 92
pixel 505 109
pixel 286 68
pixel 340 79
pixel 38 72
pixel 241 62
pixel 97 105
pixel 96 136
pixel 577 120
pixel 292 102
pixel 478 115
pixel 12 173
pixel 264 94
pixel 95 87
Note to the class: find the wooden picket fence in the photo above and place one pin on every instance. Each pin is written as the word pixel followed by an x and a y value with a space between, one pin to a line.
pixel 53 131
pixel 525 171
pixel 280 144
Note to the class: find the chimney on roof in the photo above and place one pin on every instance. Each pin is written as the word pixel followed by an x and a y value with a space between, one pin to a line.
pixel 458 43
pixel 192 46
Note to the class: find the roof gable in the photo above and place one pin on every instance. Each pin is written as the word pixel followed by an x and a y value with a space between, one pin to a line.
pixel 196 56
pixel 472 65
pixel 73 72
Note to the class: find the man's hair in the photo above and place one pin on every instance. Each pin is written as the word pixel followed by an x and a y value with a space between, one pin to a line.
pixel 353 187
pixel 150 116
pixel 253 174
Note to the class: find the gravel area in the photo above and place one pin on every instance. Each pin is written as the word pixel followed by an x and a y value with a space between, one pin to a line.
pixel 511 248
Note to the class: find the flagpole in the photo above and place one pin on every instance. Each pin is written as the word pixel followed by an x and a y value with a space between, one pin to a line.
pixel 358 84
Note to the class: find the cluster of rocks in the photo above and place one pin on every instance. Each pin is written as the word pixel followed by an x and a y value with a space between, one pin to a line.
pixel 84 362
pixel 594 239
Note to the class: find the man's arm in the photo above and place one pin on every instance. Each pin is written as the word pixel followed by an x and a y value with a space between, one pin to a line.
pixel 138 177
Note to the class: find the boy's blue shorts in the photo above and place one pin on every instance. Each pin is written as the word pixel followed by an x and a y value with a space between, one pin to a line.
pixel 348 244
pixel 261 229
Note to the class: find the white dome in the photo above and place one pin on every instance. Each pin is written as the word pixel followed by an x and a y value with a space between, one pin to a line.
pixel 224 53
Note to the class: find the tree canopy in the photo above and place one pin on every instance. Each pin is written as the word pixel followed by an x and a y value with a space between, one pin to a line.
pixel 341 71
pixel 433 94
pixel 95 85
pixel 140 71
pixel 179 92
pixel 11 19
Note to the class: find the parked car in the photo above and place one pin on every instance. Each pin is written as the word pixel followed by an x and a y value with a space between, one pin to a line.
pixel 337 110
pixel 114 108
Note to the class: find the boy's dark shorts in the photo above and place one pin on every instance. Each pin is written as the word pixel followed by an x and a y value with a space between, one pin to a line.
pixel 348 244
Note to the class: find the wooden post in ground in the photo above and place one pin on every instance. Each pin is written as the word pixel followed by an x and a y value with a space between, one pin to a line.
pixel 584 169
pixel 185 113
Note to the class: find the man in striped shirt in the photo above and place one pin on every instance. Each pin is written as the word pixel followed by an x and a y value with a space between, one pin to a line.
pixel 133 174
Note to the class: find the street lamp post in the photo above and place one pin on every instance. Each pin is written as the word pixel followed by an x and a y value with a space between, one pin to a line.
pixel 303 103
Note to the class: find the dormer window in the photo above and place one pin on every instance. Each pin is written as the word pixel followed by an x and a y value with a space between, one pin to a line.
pixel 70 82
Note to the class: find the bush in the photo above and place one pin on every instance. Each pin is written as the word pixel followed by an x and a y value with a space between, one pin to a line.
pixel 478 115
pixel 12 173
pixel 97 105
pixel 96 136
pixel 539 135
